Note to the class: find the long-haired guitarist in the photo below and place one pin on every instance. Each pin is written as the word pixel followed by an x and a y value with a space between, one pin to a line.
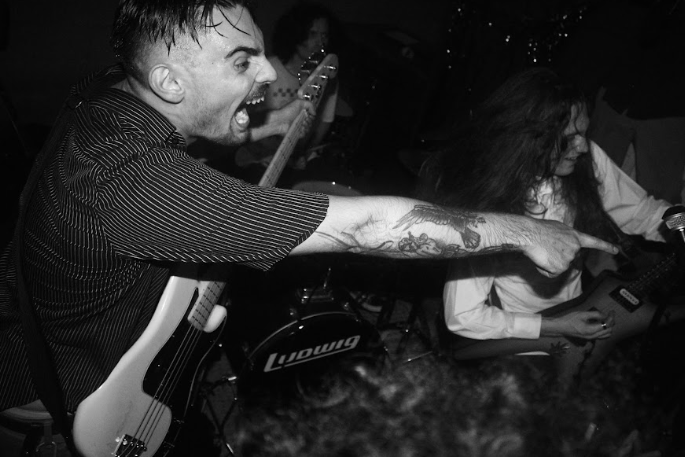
pixel 305 30
pixel 114 198
pixel 525 151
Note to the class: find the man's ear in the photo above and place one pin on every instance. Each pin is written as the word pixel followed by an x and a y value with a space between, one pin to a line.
pixel 165 84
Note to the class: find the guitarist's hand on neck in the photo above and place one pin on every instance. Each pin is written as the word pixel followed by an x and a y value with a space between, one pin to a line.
pixel 277 122
pixel 587 325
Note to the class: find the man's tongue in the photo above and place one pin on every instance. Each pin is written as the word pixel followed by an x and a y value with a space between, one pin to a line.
pixel 242 118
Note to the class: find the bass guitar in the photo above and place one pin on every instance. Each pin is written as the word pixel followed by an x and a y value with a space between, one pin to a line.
pixel 140 408
pixel 609 293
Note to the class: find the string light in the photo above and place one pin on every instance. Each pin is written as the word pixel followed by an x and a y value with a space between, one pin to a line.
pixel 542 38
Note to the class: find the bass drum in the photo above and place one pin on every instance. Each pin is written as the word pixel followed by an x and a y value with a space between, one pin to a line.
pixel 288 350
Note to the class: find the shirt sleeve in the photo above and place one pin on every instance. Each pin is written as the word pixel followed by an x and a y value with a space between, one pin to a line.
pixel 165 205
pixel 626 202
pixel 467 309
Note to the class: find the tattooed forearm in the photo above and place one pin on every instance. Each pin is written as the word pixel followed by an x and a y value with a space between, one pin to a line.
pixel 425 246
pixel 428 247
pixel 424 231
pixel 457 220
pixel 347 243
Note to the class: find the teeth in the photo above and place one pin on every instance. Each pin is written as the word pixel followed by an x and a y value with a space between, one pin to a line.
pixel 242 118
pixel 254 101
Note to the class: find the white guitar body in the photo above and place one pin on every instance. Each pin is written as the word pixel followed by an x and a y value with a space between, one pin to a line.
pixel 139 409
pixel 121 418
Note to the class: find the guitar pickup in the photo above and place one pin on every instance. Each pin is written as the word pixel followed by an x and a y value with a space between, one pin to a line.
pixel 626 298
pixel 129 446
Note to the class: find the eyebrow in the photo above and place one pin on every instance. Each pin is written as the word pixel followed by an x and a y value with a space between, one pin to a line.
pixel 246 49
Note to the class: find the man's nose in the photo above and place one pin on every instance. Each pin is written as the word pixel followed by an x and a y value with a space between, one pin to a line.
pixel 266 73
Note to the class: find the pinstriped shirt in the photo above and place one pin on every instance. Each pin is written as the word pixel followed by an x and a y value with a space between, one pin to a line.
pixel 119 201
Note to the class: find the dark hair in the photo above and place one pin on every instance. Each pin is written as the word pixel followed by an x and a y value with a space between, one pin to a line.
pixel 140 23
pixel 293 28
pixel 510 145
pixel 505 407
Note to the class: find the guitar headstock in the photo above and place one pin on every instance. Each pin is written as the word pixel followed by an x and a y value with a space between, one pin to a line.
pixel 318 69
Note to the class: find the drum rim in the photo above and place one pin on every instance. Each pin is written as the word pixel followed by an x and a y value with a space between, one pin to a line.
pixel 352 316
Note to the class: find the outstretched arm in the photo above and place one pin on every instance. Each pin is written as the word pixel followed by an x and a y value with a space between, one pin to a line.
pixel 406 228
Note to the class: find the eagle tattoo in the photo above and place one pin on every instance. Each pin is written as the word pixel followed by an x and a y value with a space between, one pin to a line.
pixel 458 220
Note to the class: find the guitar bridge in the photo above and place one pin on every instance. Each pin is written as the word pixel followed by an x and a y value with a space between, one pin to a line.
pixel 129 446
pixel 626 298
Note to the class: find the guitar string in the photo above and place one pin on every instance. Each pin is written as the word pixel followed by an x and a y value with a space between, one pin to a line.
pixel 649 277
pixel 155 412
pixel 280 160
pixel 149 421
pixel 177 368
pixel 211 295
pixel 152 416
pixel 641 283
pixel 143 432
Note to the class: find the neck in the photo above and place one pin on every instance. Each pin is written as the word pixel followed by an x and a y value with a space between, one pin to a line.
pixel 134 88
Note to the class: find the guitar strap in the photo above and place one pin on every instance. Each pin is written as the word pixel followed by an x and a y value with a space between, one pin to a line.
pixel 40 360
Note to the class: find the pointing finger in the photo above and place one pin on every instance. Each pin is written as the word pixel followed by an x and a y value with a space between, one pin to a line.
pixel 589 241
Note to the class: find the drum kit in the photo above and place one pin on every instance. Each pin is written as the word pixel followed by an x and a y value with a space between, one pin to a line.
pixel 290 346
pixel 285 349
pixel 290 339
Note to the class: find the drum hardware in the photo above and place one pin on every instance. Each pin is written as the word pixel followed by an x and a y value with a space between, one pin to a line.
pixel 410 326
pixel 279 348
pixel 318 294
pixel 223 387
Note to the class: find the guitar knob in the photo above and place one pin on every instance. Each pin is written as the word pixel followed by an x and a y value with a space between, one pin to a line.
pixel 674 218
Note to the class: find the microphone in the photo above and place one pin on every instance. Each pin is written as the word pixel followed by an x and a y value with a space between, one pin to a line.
pixel 674 217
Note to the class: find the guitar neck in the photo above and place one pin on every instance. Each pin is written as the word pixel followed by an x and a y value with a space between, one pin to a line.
pixel 312 89
pixel 209 293
pixel 284 151
pixel 632 295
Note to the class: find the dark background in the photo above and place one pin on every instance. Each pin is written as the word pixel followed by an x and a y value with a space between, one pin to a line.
pixel 409 69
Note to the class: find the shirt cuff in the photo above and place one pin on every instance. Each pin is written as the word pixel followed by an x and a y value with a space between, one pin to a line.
pixel 527 325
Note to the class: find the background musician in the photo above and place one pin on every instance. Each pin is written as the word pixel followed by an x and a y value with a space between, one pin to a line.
pixel 303 31
pixel 525 151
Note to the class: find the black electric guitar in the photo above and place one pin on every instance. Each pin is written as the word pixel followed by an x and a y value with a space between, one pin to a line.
pixel 577 358
pixel 140 408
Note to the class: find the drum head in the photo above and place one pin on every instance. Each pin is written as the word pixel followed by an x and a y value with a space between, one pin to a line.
pixel 299 354
pixel 327 187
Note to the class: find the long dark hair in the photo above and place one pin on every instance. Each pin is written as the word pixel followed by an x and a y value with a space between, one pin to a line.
pixel 293 28
pixel 140 23
pixel 511 144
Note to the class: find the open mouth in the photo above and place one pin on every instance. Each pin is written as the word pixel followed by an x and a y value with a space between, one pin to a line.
pixel 242 116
